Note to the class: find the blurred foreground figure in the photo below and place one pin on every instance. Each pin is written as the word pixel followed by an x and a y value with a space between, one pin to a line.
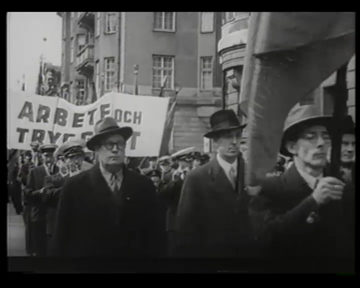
pixel 301 215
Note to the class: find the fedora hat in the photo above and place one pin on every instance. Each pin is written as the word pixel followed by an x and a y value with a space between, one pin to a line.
pixel 106 127
pixel 349 126
pixel 299 117
pixel 223 120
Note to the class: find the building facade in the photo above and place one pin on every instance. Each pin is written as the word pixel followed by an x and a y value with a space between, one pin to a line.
pixel 111 51
pixel 232 48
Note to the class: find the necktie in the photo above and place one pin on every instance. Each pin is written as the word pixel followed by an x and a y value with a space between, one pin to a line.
pixel 232 174
pixel 114 182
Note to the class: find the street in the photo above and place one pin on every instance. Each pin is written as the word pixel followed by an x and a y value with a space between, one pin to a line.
pixel 15 233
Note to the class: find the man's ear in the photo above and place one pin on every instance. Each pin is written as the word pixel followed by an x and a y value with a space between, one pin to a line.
pixel 291 147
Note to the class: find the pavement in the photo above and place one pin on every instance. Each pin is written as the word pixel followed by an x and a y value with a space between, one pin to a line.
pixel 15 233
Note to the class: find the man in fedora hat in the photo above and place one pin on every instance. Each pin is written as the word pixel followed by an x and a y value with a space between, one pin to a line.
pixel 108 210
pixel 295 215
pixel 212 218
pixel 36 184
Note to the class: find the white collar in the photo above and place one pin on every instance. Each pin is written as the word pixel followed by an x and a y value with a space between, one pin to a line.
pixel 309 179
pixel 226 166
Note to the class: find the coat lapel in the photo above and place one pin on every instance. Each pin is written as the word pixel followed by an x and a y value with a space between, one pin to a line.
pixel 299 187
pixel 218 176
pixel 98 181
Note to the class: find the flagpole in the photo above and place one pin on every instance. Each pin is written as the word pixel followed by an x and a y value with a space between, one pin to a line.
pixel 136 72
pixel 340 98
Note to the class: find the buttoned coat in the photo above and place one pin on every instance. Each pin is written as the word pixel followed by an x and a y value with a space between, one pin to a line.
pixel 93 221
pixel 289 223
pixel 212 217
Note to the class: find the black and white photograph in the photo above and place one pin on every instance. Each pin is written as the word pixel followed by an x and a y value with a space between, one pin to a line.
pixel 181 142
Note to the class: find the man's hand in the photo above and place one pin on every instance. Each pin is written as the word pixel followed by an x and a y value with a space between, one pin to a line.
pixel 328 188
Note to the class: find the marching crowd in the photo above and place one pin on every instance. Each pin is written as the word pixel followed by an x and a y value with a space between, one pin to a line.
pixel 85 199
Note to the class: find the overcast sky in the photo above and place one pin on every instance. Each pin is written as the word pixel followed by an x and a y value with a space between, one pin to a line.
pixel 25 43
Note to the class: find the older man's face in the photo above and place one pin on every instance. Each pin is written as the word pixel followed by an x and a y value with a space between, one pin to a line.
pixel 111 153
pixel 312 146
pixel 348 148
pixel 228 145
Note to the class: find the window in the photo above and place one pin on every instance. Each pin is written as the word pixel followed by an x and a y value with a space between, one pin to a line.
pixel 110 22
pixel 72 50
pixel 81 39
pixel 109 70
pixel 206 73
pixel 207 22
pixel 97 78
pixel 97 25
pixel 163 66
pixel 164 21
pixel 81 89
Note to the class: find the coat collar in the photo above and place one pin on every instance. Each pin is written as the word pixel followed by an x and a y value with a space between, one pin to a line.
pixel 218 176
pixel 98 179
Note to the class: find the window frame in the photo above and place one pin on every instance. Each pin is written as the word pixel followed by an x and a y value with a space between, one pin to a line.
pixel 97 78
pixel 162 29
pixel 162 70
pixel 105 23
pixel 106 81
pixel 72 50
pixel 81 89
pixel 97 24
pixel 202 70
pixel 201 24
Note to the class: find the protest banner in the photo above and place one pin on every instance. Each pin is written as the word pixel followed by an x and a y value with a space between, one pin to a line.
pixel 33 117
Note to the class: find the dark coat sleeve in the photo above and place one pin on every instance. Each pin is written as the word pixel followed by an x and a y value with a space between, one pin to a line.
pixel 170 192
pixel 272 217
pixel 50 197
pixel 188 229
pixel 154 227
pixel 64 216
pixel 32 193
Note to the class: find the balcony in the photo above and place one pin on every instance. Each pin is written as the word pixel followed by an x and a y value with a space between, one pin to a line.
pixel 232 45
pixel 85 60
pixel 87 20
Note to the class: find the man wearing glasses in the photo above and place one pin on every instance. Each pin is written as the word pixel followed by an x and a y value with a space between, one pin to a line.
pixel 108 210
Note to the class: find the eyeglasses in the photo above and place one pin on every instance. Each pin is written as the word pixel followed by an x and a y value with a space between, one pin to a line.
pixel 110 145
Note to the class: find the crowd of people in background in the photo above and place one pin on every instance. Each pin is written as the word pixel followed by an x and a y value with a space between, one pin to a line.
pixel 161 204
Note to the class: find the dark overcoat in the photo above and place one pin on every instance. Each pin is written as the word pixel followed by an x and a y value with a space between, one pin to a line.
pixel 38 210
pixel 93 221
pixel 212 217
pixel 289 223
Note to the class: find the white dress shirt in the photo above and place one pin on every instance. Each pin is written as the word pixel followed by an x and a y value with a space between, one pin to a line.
pixel 226 166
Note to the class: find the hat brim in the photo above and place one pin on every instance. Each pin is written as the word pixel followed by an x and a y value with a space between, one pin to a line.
pixel 318 120
pixel 215 132
pixel 126 132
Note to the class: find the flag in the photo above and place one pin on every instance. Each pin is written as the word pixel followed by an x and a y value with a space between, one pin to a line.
pixel 163 84
pixel 23 83
pixel 288 56
pixel 169 123
pixel 136 72
pixel 40 79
